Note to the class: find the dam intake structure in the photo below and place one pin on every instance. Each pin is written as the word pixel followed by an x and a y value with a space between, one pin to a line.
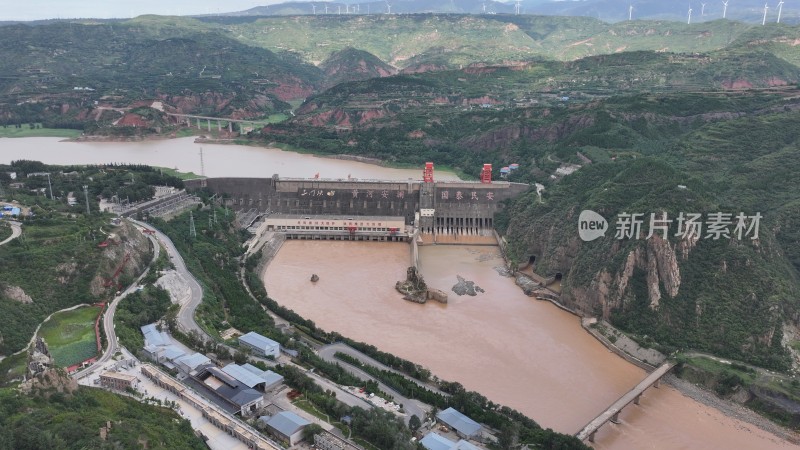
pixel 350 209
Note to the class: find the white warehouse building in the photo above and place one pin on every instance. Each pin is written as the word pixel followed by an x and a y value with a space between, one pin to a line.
pixel 260 345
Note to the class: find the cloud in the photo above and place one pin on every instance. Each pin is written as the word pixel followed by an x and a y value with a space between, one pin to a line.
pixel 104 9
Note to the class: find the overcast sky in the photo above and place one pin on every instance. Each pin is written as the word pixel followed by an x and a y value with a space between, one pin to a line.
pixel 52 9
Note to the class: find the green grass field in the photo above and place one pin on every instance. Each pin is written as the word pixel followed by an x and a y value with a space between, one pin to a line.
pixel 70 335
pixel 181 175
pixel 12 131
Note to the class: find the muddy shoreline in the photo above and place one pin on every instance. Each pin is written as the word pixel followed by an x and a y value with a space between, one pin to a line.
pixel 731 409
pixel 686 388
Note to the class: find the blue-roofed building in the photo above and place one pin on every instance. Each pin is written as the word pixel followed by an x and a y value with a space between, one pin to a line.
pixel 172 352
pixel 158 345
pixel 435 441
pixel 253 377
pixel 260 345
pixel 286 426
pixel 154 337
pixel 464 426
pixel 190 363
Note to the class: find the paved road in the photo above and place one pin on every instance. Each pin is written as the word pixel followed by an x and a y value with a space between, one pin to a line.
pixel 328 353
pixel 186 320
pixel 412 407
pixel 761 371
pixel 108 319
pixel 16 231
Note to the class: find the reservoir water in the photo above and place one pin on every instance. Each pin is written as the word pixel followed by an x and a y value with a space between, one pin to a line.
pixel 517 351
pixel 184 154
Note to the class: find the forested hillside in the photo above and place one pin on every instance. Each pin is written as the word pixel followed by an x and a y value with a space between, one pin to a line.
pixel 74 422
pixel 673 153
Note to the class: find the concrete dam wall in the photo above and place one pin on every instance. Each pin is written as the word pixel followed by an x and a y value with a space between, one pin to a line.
pixel 442 207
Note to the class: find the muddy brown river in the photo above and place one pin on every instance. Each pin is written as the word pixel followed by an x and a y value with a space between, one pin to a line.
pixel 517 351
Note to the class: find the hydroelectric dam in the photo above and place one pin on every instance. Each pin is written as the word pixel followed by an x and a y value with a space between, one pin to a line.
pixel 358 209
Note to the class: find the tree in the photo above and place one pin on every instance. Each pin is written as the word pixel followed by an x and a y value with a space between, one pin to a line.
pixel 311 430
pixel 509 436
pixel 239 357
pixel 414 423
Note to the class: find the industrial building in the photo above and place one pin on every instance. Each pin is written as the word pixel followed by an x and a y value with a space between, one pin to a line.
pixel 434 207
pixel 464 426
pixel 117 381
pixel 253 377
pixel 340 228
pixel 193 363
pixel 237 396
pixel 158 346
pixel 230 424
pixel 260 345
pixel 435 441
pixel 286 425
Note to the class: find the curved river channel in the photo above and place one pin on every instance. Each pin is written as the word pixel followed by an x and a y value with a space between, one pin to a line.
pixel 517 351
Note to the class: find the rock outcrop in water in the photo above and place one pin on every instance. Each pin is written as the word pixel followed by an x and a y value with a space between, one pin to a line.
pixel 415 290
pixel 314 278
pixel 466 287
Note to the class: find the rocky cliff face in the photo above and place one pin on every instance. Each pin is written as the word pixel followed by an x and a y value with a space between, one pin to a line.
pixel 726 296
pixel 128 251
pixel 610 287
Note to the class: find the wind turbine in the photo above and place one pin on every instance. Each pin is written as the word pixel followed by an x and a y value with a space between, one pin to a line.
pixel 724 8
pixel 517 6
pixel 702 9
pixel 326 8
pixel 314 9
pixel 484 7
pixel 630 12
pixel 780 8
pixel 388 8
pixel 339 10
pixel 766 8
pixel 689 22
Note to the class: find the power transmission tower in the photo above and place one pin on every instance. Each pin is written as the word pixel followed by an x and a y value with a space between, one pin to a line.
pixel 202 164
pixel 2 193
pixel 210 223
pixel 215 211
pixel 51 187
pixel 86 196
pixel 192 230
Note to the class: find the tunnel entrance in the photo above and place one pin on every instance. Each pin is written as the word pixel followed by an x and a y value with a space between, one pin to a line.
pixel 558 276
pixel 531 260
